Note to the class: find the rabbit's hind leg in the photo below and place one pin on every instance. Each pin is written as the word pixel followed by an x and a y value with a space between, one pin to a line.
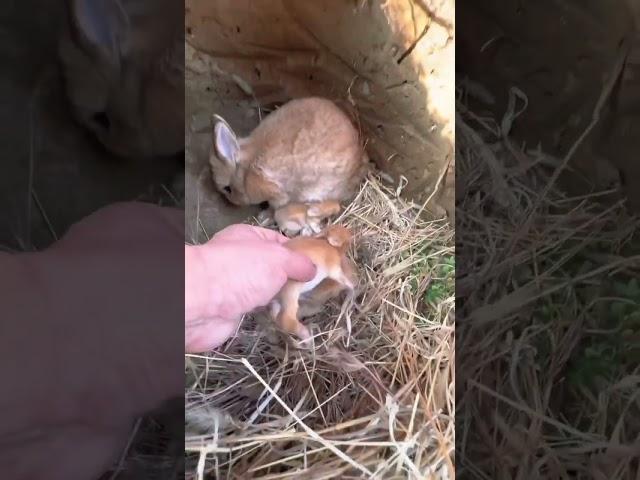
pixel 322 210
pixel 287 317
pixel 319 213
pixel 316 300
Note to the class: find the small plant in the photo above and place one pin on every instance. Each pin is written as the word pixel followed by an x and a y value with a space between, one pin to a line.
pixel 442 283
pixel 604 354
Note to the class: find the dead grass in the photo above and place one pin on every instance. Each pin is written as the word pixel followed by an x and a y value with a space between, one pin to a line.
pixel 550 318
pixel 374 396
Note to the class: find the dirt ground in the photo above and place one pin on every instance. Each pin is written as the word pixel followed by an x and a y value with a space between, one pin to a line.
pixel 390 64
pixel 513 44
pixel 53 172
pixel 206 93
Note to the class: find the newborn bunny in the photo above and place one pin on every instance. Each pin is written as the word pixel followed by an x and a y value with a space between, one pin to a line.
pixel 307 151
pixel 123 65
pixel 335 273
pixel 304 218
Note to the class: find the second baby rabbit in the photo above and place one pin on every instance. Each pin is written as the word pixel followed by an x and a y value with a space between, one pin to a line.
pixel 308 151
pixel 335 273
pixel 304 219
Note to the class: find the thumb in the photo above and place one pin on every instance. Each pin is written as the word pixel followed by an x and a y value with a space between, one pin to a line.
pixel 298 267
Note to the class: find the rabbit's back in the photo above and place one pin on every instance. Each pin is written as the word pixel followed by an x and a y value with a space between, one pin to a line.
pixel 311 149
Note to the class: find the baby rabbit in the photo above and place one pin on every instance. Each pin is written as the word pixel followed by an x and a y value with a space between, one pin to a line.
pixel 304 218
pixel 335 273
pixel 307 151
pixel 123 65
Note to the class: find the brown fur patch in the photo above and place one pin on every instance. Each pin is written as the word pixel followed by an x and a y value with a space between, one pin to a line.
pixel 258 189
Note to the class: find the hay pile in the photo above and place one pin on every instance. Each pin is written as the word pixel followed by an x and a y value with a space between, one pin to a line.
pixel 373 398
pixel 550 317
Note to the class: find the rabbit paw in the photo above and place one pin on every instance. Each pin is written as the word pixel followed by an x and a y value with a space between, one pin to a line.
pixel 265 218
pixel 315 227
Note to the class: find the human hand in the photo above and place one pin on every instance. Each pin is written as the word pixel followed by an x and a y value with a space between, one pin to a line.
pixel 91 338
pixel 241 268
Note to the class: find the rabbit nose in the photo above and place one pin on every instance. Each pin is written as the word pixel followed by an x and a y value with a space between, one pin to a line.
pixel 101 119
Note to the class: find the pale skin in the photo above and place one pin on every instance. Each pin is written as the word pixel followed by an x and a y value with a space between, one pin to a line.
pixel 90 339
pixel 240 269
pixel 91 329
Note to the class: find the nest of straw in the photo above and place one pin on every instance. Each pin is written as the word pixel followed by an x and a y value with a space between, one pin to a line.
pixel 373 397
pixel 548 323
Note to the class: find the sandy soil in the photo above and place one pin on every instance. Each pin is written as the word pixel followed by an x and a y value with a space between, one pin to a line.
pixel 206 211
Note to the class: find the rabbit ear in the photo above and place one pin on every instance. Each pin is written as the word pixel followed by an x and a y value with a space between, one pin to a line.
pixel 104 24
pixel 334 241
pixel 225 142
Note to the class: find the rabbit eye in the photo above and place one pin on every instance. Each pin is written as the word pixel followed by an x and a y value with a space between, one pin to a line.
pixel 102 120
pixel 227 189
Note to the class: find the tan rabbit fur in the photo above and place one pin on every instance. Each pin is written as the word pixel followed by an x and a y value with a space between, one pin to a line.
pixel 335 273
pixel 307 151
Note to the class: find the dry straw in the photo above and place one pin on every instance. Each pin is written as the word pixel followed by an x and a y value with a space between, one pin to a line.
pixel 549 368
pixel 373 397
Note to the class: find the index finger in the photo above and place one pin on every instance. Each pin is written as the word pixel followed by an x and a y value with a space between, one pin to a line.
pixel 243 231
pixel 270 235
